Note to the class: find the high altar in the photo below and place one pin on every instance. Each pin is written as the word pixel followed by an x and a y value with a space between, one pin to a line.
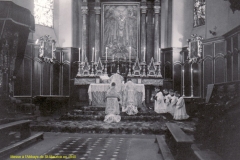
pixel 119 46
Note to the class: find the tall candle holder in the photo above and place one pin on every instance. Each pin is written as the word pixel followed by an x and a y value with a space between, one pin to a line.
pixel 118 71
pixel 143 64
pixel 159 74
pixel 92 70
pixel 105 68
pixel 129 69
pixel 80 69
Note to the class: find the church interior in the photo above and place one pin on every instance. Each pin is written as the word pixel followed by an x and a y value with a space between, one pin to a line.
pixel 120 79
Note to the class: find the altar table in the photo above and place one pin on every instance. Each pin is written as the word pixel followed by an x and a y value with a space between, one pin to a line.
pixel 97 94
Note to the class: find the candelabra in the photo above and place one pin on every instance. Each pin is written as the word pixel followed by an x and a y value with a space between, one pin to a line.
pixel 129 69
pixel 159 74
pixel 92 70
pixel 143 64
pixel 105 68
pixel 80 68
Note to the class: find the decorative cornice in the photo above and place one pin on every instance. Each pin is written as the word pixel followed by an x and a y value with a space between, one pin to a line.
pixel 97 10
pixel 214 39
pixel 231 32
pixel 143 9
pixel 84 10
pixel 156 9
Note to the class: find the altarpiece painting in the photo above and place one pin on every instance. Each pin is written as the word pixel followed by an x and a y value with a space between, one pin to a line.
pixel 120 30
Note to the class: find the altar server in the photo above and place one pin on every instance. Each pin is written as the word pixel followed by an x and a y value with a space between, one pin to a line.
pixel 180 111
pixel 159 105
pixel 173 101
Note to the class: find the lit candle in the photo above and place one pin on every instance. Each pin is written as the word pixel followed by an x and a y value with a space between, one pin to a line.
pixel 159 55
pixel 82 56
pixel 93 54
pixel 183 77
pixel 113 57
pixel 130 54
pixel 106 53
pixel 144 54
pixel 79 57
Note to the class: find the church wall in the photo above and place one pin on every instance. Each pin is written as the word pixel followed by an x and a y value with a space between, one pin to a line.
pixel 218 13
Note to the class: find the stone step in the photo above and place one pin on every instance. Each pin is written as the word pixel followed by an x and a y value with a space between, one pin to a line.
pixel 101 127
pixel 123 117
pixel 82 112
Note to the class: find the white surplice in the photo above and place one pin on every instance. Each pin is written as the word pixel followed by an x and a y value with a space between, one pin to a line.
pixel 171 107
pixel 130 99
pixel 180 110
pixel 159 106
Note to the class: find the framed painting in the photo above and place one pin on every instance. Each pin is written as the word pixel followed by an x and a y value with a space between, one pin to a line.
pixel 120 30
pixel 195 48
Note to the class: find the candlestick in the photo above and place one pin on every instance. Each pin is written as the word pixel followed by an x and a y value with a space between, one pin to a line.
pixel 144 54
pixel 130 54
pixel 113 58
pixel 93 54
pixel 79 56
pixel 159 55
pixel 82 56
pixel 106 53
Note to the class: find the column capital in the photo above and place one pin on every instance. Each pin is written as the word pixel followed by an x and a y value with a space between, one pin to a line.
pixel 156 9
pixel 97 10
pixel 84 10
pixel 143 9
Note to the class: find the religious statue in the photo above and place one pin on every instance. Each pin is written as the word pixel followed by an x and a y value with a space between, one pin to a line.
pixel 120 30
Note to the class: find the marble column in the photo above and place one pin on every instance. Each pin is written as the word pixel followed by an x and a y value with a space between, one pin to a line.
pixel 84 29
pixel 156 28
pixel 143 29
pixel 97 9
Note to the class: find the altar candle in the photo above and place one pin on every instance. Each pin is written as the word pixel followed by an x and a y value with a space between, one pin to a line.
pixel 79 57
pixel 93 54
pixel 130 54
pixel 106 53
pixel 144 54
pixel 159 55
pixel 183 77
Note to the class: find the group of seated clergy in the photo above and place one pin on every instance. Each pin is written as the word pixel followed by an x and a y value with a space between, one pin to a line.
pixel 169 102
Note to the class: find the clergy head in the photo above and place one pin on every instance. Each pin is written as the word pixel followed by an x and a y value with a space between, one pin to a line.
pixel 177 94
pixel 171 92
pixel 165 91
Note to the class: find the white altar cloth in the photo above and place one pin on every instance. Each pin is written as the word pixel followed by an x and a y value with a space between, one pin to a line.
pixel 97 93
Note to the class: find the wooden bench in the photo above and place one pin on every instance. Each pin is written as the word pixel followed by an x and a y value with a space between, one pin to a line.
pixel 163 148
pixel 22 126
pixel 179 142
pixel 9 149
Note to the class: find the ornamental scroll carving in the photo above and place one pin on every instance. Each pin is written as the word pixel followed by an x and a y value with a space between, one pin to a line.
pixel 195 49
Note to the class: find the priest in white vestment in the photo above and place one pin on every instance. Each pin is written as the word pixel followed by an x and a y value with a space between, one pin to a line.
pixel 129 98
pixel 112 110
pixel 117 79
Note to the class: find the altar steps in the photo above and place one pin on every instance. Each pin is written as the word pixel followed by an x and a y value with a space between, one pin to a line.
pixel 98 113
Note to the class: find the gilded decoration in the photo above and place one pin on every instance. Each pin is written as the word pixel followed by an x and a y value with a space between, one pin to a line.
pixel 120 29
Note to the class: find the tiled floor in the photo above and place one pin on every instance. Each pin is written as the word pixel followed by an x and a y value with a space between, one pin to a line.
pixel 93 147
